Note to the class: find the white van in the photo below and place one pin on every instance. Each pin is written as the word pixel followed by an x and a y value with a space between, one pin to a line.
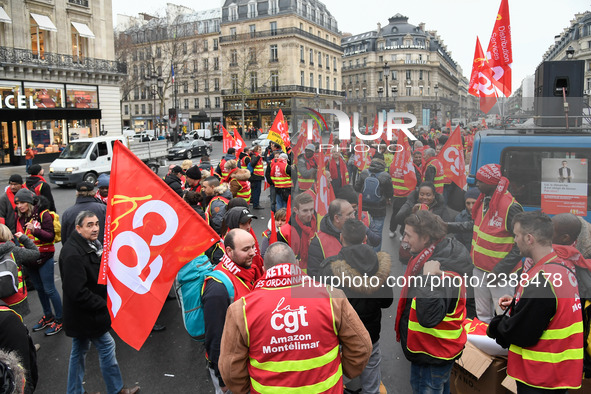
pixel 204 134
pixel 85 159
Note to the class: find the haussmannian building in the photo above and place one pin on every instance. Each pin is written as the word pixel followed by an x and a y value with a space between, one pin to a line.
pixel 59 79
pixel 403 68
pixel 278 54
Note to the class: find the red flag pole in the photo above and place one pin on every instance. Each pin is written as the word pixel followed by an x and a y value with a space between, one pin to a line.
pixel 288 214
pixel 360 207
pixel 273 236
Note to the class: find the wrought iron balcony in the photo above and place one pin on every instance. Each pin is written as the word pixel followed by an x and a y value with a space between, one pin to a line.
pixel 83 3
pixel 26 57
pixel 285 89
pixel 278 32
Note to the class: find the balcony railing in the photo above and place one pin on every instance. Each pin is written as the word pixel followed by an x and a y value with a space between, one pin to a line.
pixel 286 89
pixel 276 33
pixel 83 3
pixel 26 57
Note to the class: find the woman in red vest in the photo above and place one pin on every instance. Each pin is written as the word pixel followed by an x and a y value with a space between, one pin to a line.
pixel 432 302
pixel 36 222
pixel 238 180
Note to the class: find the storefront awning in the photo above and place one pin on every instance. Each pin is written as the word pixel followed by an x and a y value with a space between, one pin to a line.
pixel 4 16
pixel 44 22
pixel 83 30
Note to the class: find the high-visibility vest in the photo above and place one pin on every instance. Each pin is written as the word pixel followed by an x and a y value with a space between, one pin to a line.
pixel 400 188
pixel 447 339
pixel 44 247
pixel 259 169
pixel 279 174
pixel 295 347
pixel 556 360
pixel 307 183
pixel 241 288
pixel 21 293
pixel 37 188
pixel 491 241
pixel 244 191
pixel 439 174
pixel 222 169
pixel 329 245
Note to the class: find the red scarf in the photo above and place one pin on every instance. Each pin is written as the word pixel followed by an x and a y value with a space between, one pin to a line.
pixel 500 191
pixel 307 235
pixel 338 173
pixel 281 275
pixel 414 268
pixel 247 276
pixel 571 255
pixel 10 196
pixel 99 197
pixel 228 177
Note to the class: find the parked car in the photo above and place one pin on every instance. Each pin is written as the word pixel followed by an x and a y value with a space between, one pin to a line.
pixel 260 139
pixel 188 149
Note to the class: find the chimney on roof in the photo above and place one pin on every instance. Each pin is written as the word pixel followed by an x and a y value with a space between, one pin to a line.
pixel 379 27
pixel 422 26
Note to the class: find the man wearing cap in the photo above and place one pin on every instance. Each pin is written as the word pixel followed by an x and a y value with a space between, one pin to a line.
pixel 38 185
pixel 307 168
pixel 192 178
pixel 7 204
pixel 103 188
pixel 173 180
pixel 493 250
pixel 85 201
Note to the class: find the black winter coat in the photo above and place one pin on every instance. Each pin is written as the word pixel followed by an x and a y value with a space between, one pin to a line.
pixel 175 184
pixel 355 261
pixel 438 208
pixel 85 301
pixel 83 203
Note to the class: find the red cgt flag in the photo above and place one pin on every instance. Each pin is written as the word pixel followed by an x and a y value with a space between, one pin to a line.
pixel 452 159
pixel 481 84
pixel 402 168
pixel 150 234
pixel 278 132
pixel 228 140
pixel 239 144
pixel 499 52
pixel 325 194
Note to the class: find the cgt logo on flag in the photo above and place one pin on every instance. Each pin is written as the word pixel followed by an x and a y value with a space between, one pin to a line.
pixel 150 234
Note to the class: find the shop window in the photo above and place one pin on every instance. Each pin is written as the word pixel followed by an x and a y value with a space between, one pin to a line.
pixel 45 95
pixel 81 97
pixel 44 135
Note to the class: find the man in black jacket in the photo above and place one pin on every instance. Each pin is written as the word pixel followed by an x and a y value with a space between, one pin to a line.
pixel 37 184
pixel 85 201
pixel 86 315
pixel 174 180
pixel 355 264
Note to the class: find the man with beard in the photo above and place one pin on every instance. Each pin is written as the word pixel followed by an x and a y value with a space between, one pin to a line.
pixel 240 248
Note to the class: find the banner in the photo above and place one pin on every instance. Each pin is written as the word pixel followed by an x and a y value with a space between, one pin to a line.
pixel 481 80
pixel 499 52
pixel 451 157
pixel 402 168
pixel 228 140
pixel 239 144
pixel 150 233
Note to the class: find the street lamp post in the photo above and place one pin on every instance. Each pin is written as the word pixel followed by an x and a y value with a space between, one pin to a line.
pixel 386 73
pixel 436 88
pixel 156 84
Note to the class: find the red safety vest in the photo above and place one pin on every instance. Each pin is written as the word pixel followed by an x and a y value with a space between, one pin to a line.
pixel 241 288
pixel 439 175
pixel 244 191
pixel 556 360
pixel 279 174
pixel 44 247
pixel 340 172
pixel 36 188
pixel 491 241
pixel 329 245
pixel 447 339
pixel 259 169
pixel 307 183
pixel 295 342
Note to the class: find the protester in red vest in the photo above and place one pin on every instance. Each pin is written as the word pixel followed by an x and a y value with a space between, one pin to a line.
pixel 544 323
pixel 257 176
pixel 193 176
pixel 279 172
pixel 240 248
pixel 238 180
pixel 307 167
pixel 339 176
pixel 7 205
pixel 493 250
pixel 304 226
pixel 430 310
pixel 38 185
pixel 433 170
pixel 285 324
pixel 326 242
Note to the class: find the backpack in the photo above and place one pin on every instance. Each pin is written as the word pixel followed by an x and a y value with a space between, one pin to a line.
pixel 8 276
pixel 191 279
pixel 57 227
pixel 371 190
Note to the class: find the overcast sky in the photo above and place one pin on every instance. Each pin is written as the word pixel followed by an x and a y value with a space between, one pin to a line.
pixel 534 23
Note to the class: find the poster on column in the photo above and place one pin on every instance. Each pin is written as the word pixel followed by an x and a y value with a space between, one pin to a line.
pixel 564 186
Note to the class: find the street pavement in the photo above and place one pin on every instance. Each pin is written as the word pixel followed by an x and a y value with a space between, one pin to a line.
pixel 170 361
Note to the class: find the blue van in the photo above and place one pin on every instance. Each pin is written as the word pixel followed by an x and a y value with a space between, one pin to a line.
pixel 521 152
